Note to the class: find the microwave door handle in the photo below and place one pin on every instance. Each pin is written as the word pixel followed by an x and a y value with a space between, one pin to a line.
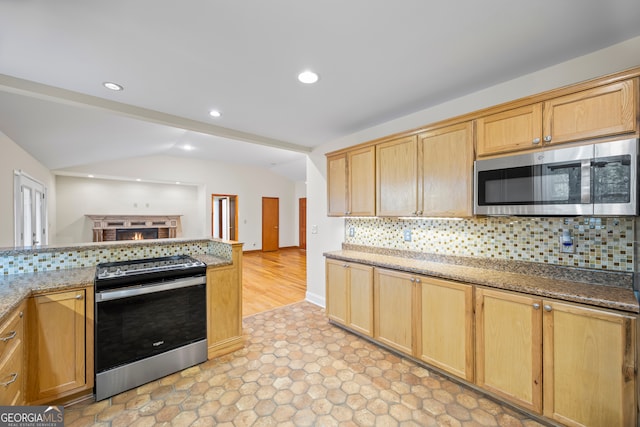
pixel 585 186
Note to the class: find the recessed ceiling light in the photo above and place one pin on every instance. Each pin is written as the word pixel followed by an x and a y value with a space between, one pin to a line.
pixel 214 113
pixel 187 147
pixel 308 77
pixel 90 176
pixel 138 179
pixel 177 182
pixel 112 86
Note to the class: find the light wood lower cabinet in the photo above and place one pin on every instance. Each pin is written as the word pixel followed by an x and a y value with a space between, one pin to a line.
pixel 394 311
pixel 587 356
pixel 350 295
pixel 60 363
pixel 224 306
pixel 509 346
pixel 12 358
pixel 589 366
pixel 445 337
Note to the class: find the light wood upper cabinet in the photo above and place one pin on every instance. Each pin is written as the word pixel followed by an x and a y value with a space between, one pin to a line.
pixel 445 338
pixel 350 295
pixel 509 346
pixel 394 311
pixel 337 185
pixel 351 183
pixel 597 112
pixel 60 335
pixel 511 130
pixel 397 177
pixel 589 366
pixel 361 190
pixel 12 354
pixel 446 156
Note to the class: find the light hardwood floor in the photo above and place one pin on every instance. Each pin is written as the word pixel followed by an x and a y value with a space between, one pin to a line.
pixel 273 279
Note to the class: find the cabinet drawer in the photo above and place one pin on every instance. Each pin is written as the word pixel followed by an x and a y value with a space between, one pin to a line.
pixel 11 333
pixel 11 378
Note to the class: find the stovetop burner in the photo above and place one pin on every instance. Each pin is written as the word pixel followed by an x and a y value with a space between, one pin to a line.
pixel 122 273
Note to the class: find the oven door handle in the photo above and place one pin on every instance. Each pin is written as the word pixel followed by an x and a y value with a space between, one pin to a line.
pixel 148 289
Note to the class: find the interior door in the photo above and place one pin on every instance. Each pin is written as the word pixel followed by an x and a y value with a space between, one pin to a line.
pixel 302 215
pixel 270 224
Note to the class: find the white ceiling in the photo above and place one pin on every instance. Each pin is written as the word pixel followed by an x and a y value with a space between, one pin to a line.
pixel 377 60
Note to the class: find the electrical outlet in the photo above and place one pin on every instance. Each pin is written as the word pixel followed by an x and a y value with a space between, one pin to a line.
pixel 314 229
pixel 352 231
pixel 407 235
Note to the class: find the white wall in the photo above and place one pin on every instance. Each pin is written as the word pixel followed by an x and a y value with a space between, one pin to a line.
pixel 248 183
pixel 77 197
pixel 13 158
pixel 331 230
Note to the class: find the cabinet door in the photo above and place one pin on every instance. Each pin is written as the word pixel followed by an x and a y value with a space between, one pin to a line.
pixel 509 346
pixel 601 111
pixel 361 298
pixel 447 171
pixel 362 185
pixel 57 351
pixel 336 290
pixel 511 130
pixel 337 185
pixel 589 366
pixel 393 309
pixel 397 177
pixel 446 326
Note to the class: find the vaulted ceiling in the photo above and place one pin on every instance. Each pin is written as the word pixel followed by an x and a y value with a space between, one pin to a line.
pixel 177 60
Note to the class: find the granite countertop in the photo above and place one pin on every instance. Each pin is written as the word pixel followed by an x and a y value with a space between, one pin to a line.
pixel 15 288
pixel 566 287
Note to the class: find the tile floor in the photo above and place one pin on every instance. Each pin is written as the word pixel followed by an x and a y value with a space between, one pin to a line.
pixel 298 370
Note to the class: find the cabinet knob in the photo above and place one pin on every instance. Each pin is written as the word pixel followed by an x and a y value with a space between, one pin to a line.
pixel 21 314
pixel 79 296
pixel 536 141
pixel 547 138
pixel 547 307
pixel 345 265
pixel 536 306
pixel 412 280
pixel 418 280
pixel 419 212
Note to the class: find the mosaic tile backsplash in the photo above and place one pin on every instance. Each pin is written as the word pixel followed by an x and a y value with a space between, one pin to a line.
pixel 600 243
pixel 49 259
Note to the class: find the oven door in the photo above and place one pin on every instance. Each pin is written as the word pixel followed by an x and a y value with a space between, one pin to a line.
pixel 554 182
pixel 141 321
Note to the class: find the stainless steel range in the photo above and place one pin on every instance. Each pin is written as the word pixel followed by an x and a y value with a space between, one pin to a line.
pixel 150 320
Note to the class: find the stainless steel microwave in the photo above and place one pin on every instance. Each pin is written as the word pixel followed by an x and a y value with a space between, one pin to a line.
pixel 596 179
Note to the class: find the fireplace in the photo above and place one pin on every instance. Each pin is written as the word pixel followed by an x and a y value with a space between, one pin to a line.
pixel 136 233
pixel 134 227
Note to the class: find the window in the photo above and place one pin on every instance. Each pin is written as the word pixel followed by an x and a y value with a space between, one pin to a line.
pixel 30 208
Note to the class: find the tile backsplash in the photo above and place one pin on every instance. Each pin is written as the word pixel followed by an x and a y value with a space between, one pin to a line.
pixel 600 243
pixel 49 259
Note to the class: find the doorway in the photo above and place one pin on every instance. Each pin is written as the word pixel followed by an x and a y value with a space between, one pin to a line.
pixel 302 221
pixel 224 216
pixel 30 207
pixel 270 224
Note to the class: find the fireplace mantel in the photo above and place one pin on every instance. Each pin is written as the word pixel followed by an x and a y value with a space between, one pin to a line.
pixel 105 226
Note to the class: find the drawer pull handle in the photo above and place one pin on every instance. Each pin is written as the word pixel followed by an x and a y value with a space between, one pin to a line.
pixel 79 296
pixel 11 336
pixel 14 377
